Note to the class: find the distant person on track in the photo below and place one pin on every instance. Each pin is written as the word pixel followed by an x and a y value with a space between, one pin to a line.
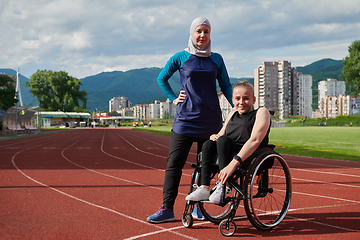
pixel 244 131
pixel 198 113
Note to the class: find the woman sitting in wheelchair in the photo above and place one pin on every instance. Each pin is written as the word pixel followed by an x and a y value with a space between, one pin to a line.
pixel 245 130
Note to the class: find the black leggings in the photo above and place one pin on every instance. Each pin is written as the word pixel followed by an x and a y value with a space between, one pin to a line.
pixel 225 148
pixel 178 152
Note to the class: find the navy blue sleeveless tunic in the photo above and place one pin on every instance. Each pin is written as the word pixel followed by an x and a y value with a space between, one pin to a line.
pixel 199 115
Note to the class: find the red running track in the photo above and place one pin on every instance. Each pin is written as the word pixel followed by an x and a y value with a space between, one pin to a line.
pixel 103 183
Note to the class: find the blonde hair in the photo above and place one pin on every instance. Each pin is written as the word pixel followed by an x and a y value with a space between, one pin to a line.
pixel 245 84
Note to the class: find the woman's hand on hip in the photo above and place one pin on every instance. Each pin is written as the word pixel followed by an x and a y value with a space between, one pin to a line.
pixel 180 98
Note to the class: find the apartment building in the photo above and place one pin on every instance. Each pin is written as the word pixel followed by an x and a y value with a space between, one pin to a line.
pixel 155 110
pixel 331 107
pixel 328 93
pixel 304 95
pixel 126 111
pixel 119 103
pixel 139 111
pixel 330 87
pixel 276 88
pixel 167 109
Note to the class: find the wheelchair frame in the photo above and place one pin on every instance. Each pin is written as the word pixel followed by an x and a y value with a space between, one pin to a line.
pixel 263 179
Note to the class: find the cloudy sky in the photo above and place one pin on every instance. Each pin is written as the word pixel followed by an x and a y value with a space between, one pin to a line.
pixel 86 37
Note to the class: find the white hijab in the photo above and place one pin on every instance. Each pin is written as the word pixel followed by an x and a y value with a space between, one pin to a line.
pixel 193 48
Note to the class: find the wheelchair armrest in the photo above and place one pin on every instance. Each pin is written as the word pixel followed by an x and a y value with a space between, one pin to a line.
pixel 248 160
pixel 270 146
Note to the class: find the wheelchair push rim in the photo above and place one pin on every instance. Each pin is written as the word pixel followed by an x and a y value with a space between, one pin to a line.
pixel 267 191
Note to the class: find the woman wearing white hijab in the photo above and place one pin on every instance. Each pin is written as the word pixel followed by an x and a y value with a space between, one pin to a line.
pixel 198 113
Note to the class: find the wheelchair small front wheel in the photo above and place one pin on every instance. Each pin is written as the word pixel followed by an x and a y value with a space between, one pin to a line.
pixel 227 228
pixel 187 219
pixel 215 213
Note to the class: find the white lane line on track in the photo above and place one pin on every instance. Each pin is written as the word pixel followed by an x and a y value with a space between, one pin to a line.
pixel 165 230
pixel 108 176
pixel 165 146
pixel 307 180
pixel 296 169
pixel 322 164
pixel 189 175
pixel 316 222
pixel 149 153
pixel 244 217
pixel 332 198
pixel 313 195
pixel 141 221
pixel 331 183
pixel 156 232
pixel 98 206
pixel 148 140
pixel 331 173
pixel 128 161
pixel 319 207
pixel 84 201
pixel 311 163
pixel 30 140
pixel 138 149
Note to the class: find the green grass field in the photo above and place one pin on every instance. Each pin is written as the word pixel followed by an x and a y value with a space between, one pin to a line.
pixel 324 142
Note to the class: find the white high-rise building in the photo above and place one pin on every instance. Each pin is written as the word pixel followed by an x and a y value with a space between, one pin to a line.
pixel 305 95
pixel 276 87
pixel 167 109
pixel 139 111
pixel 329 88
pixel 119 103
pixel 154 110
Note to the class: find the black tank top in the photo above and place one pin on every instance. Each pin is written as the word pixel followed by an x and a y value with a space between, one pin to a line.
pixel 240 126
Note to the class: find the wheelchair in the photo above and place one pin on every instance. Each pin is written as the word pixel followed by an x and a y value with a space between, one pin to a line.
pixel 262 182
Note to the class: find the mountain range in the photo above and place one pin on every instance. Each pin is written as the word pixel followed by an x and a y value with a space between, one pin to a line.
pixel 140 85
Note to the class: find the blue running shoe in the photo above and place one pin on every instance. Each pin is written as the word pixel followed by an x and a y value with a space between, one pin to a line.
pixel 162 215
pixel 197 213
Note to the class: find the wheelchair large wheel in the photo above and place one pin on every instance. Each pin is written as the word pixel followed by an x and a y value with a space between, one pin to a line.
pixel 267 190
pixel 216 212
